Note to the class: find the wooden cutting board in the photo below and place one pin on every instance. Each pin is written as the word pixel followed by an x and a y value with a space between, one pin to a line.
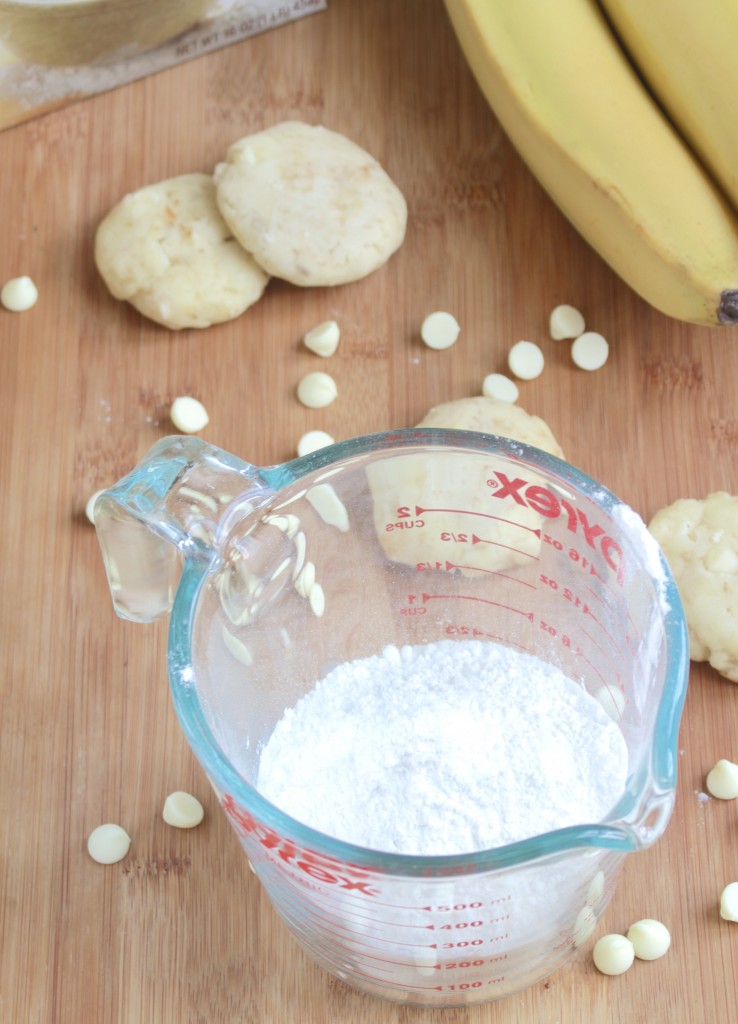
pixel 180 931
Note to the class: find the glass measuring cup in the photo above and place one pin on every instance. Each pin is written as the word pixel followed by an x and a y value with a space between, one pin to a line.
pixel 404 538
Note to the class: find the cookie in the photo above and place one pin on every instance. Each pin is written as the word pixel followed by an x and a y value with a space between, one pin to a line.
pixel 310 205
pixel 416 483
pixel 489 416
pixel 166 249
pixel 418 521
pixel 699 539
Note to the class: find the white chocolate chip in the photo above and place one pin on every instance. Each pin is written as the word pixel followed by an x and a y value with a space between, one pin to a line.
pixel 565 322
pixel 316 390
pixel 107 844
pixel 729 902
pixel 90 506
pixel 525 360
pixel 500 387
pixel 596 889
pixel 590 351
pixel 280 522
pixel 426 962
pixel 721 558
pixel 439 330
pixel 204 499
pixel 612 700
pixel 722 780
pixel 282 567
pixel 237 647
pixel 19 294
pixel 305 580
pixel 313 441
pixel 323 339
pixel 188 415
pixel 329 506
pixel 300 550
pixel 584 925
pixel 613 954
pixel 293 525
pixel 650 938
pixel 182 810
pixel 316 599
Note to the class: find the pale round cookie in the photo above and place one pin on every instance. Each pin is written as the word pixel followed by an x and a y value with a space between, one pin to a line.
pixel 166 249
pixel 493 416
pixel 417 482
pixel 310 205
pixel 699 538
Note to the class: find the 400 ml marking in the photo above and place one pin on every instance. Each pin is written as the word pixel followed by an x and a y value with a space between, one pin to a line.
pixel 546 503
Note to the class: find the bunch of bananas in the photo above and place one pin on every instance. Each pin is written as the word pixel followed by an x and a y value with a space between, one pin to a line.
pixel 623 110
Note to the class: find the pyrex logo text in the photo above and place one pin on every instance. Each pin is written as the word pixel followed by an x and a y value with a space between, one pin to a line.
pixel 547 504
pixel 322 869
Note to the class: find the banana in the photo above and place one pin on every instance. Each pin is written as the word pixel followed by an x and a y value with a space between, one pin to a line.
pixel 684 49
pixel 571 103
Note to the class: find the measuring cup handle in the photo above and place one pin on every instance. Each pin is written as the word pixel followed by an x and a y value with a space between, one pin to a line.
pixel 167 508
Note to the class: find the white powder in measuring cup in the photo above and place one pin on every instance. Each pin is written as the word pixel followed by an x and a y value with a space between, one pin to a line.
pixel 444 748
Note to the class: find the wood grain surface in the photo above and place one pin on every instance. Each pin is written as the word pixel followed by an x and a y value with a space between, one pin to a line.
pixel 180 931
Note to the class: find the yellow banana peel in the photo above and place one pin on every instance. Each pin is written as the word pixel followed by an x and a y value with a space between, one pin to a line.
pixel 684 49
pixel 571 103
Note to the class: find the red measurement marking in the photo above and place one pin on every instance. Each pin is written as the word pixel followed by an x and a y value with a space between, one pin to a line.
pixel 614 643
pixel 402 963
pixel 345 935
pixel 625 641
pixel 454 630
pixel 332 926
pixel 624 610
pixel 592 665
pixel 598 646
pixel 506 547
pixel 483 515
pixel 482 600
pixel 396 906
pixel 370 977
pixel 393 924
pixel 611 691
pixel 358 946
pixel 490 572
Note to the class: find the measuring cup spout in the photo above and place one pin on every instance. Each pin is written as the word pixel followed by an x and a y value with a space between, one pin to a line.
pixel 166 509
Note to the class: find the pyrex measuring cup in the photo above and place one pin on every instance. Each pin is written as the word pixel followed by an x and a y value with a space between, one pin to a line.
pixel 404 538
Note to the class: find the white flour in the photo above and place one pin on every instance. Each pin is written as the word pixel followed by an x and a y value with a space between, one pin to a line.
pixel 444 748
